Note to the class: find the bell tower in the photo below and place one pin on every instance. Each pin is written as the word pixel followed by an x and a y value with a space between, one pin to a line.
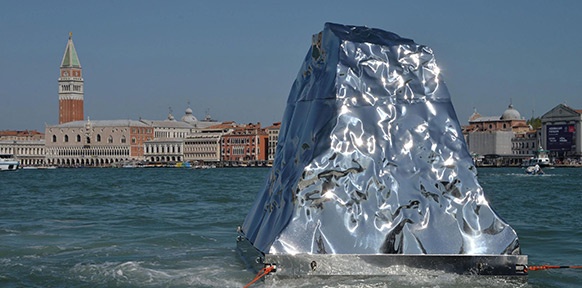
pixel 70 85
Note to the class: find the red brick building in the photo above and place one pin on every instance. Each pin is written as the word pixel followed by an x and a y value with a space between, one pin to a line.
pixel 246 144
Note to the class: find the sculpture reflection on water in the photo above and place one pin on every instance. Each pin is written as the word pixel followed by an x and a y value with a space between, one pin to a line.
pixel 371 162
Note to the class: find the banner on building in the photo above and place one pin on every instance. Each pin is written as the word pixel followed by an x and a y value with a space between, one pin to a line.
pixel 560 137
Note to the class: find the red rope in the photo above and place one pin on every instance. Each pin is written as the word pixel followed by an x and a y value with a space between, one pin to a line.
pixel 546 267
pixel 262 273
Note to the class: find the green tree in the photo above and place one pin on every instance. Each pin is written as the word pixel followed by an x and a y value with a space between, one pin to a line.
pixel 535 123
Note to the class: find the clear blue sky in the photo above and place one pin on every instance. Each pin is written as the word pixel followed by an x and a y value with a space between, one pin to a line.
pixel 238 59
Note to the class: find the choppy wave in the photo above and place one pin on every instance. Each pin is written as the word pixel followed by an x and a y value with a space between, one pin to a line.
pixel 177 228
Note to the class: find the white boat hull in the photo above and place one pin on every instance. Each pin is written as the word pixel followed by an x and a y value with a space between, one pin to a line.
pixel 9 165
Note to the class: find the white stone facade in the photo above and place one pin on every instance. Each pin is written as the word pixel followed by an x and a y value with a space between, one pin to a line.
pixel 96 143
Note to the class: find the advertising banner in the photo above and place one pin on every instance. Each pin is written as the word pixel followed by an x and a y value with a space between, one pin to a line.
pixel 560 137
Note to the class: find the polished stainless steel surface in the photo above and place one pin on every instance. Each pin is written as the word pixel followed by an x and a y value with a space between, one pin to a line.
pixel 356 265
pixel 371 159
pixel 396 264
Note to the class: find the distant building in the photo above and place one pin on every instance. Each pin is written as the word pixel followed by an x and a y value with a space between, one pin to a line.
pixel 169 144
pixel 560 134
pixel 169 128
pixel 21 135
pixel 526 144
pixel 246 144
pixel 204 147
pixel 492 136
pixel 71 83
pixel 164 151
pixel 96 143
pixel 26 146
pixel 273 132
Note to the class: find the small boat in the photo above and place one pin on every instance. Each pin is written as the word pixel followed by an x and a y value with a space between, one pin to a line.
pixel 8 163
pixel 534 170
pixel 541 158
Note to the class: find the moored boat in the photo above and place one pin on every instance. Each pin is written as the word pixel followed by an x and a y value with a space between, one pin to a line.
pixel 541 158
pixel 8 163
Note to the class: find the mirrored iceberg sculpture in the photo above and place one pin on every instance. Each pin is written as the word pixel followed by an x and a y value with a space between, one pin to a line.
pixel 371 161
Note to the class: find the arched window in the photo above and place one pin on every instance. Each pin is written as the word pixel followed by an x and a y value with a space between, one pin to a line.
pixel 98 137
pixel 110 139
pixel 78 138
pixel 123 139
pixel 66 138
pixel 88 140
pixel 54 138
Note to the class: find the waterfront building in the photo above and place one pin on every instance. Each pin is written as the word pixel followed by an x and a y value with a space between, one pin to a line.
pixel 71 83
pixel 28 135
pixel 30 153
pixel 526 144
pixel 245 145
pixel 26 146
pixel 273 132
pixel 169 144
pixel 163 151
pixel 198 124
pixel 203 148
pixel 560 134
pixel 491 136
pixel 169 128
pixel 96 143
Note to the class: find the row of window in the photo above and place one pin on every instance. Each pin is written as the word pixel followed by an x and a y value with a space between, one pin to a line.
pixel 149 149
pixel 200 143
pixel 30 151
pixel 88 139
pixel 75 88
pixel 89 152
pixel 135 130
pixel 165 134
pixel 490 126
pixel 84 161
pixel 200 155
pixel 200 148
pixel 232 140
pixel 521 145
pixel 239 151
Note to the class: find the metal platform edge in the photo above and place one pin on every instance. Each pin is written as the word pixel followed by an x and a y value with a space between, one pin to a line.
pixel 365 265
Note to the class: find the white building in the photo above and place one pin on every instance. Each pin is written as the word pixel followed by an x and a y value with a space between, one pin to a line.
pixel 273 132
pixel 169 144
pixel 560 134
pixel 25 146
pixel 96 143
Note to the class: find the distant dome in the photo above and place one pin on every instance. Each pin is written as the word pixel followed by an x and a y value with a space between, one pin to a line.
pixel 511 114
pixel 475 115
pixel 188 117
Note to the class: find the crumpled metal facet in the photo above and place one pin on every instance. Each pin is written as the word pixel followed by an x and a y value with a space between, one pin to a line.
pixel 371 158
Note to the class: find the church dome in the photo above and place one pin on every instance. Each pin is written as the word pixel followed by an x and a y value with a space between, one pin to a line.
pixel 188 117
pixel 511 114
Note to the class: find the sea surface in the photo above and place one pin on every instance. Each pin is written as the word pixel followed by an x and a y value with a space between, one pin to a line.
pixel 170 227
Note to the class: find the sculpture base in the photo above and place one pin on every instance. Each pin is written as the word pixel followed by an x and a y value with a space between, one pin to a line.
pixel 359 265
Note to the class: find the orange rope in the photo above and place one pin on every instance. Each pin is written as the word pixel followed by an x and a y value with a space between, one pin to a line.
pixel 546 267
pixel 262 273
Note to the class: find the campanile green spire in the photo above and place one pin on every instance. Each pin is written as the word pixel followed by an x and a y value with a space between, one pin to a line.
pixel 70 59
